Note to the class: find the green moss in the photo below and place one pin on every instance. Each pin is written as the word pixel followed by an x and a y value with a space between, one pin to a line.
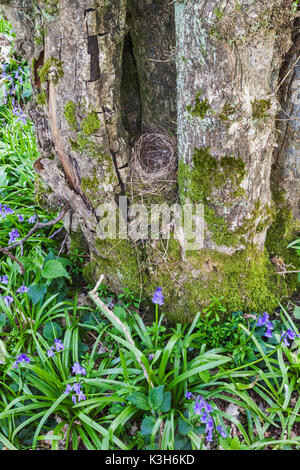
pixel 200 107
pixel 246 280
pixel 260 108
pixel 90 124
pixel 51 63
pixel 119 262
pixel 282 232
pixel 90 187
pixel 41 98
pixel 227 111
pixel 209 174
pixel 70 114
pixel 51 7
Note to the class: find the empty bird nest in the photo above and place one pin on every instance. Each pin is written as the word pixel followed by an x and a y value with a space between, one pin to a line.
pixel 154 158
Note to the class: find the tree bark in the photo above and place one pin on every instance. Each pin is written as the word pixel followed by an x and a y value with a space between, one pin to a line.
pixel 217 74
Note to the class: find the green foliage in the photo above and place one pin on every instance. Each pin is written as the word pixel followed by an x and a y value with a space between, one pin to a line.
pixel 200 108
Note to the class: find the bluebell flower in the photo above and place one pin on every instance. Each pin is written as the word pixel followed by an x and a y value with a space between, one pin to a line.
pixel 13 235
pixel 288 335
pixel 151 357
pixel 188 395
pixel 21 358
pixel 22 290
pixel 203 409
pixel 78 369
pixel 21 218
pixel 158 297
pixel 262 320
pixel 7 299
pixel 74 397
pixel 81 396
pixel 68 389
pixel 59 346
pixel 32 219
pixel 4 280
pixel 50 352
pixel 269 329
pixel 77 387
pixel 221 431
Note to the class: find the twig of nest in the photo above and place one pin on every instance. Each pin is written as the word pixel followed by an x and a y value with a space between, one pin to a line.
pixel 154 158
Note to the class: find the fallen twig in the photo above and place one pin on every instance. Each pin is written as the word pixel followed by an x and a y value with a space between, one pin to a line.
pixel 111 316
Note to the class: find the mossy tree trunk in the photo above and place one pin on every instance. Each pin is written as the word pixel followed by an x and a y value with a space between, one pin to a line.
pixel 106 71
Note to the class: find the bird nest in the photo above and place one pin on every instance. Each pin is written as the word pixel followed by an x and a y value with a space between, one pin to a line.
pixel 154 158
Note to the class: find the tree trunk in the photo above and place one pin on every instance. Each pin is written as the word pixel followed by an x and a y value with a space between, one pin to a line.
pixel 220 76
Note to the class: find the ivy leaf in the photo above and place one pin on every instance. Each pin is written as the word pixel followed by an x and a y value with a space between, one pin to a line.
pixel 37 292
pixel 147 425
pixel 156 396
pixel 53 269
pixel 139 400
pixel 52 330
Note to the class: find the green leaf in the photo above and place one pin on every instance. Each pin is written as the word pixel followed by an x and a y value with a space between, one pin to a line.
pixel 297 312
pixel 52 330
pixel 3 352
pixel 54 269
pixel 205 376
pixel 147 425
pixel 2 320
pixel 166 403
pixel 184 427
pixel 37 292
pixel 139 400
pixel 120 312
pixel 156 396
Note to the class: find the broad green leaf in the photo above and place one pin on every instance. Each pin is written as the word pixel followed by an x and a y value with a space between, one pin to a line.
pixel 36 293
pixel 156 396
pixel 52 330
pixel 139 400
pixel 147 425
pixel 166 403
pixel 54 269
pixel 184 427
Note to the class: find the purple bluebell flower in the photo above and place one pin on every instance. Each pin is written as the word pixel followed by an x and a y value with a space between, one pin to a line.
pixel 77 387
pixel 22 290
pixel 288 335
pixel 262 320
pixel 203 409
pixel 68 389
pixel 269 329
pixel 7 210
pixel 188 395
pixel 74 398
pixel 151 357
pixel 21 358
pixel 78 369
pixel 81 396
pixel 50 352
pixel 158 297
pixel 21 218
pixel 32 219
pixel 59 346
pixel 13 235
pixel 17 111
pixel 4 280
pixel 221 431
pixel 7 299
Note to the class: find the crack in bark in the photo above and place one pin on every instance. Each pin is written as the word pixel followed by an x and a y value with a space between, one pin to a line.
pixel 93 51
